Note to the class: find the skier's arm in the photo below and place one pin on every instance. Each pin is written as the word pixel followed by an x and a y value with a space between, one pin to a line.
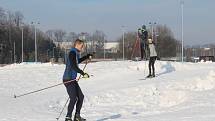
pixel 73 63
pixel 82 59
pixel 139 32
pixel 88 56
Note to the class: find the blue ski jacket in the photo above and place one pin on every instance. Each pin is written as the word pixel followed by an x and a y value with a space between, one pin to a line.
pixel 72 61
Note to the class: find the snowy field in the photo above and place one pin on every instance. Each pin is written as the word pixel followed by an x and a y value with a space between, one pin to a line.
pixel 117 91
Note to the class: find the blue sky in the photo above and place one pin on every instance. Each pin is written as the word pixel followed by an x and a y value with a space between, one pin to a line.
pixel 110 15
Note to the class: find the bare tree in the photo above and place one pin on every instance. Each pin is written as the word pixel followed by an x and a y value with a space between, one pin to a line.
pixel 18 18
pixel 130 38
pixel 97 42
pixel 59 35
pixel 50 34
pixel 10 36
pixel 166 43
pixel 72 36
pixel 98 38
pixel 3 16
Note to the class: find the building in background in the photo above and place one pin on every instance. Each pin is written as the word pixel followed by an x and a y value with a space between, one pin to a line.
pixel 111 47
pixel 200 53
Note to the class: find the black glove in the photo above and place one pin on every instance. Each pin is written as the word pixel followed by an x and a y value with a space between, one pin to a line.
pixel 85 75
pixel 89 56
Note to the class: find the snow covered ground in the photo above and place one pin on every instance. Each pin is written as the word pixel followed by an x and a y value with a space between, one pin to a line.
pixel 117 91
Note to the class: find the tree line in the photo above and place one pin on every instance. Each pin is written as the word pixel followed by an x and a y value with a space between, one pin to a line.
pixel 94 41
pixel 11 26
pixel 48 43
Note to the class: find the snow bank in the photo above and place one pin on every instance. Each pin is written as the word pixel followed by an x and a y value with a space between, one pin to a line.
pixel 169 98
pixel 199 83
pixel 142 96
pixel 164 66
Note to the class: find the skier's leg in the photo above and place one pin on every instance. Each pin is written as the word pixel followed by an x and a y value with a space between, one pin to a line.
pixel 146 51
pixel 80 100
pixel 153 66
pixel 79 103
pixel 150 64
pixel 142 50
pixel 71 90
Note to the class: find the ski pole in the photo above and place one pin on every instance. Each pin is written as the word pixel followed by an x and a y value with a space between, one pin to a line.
pixel 68 97
pixel 16 96
pixel 62 109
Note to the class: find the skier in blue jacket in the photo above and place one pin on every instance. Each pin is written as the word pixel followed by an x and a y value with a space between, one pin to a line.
pixel 73 89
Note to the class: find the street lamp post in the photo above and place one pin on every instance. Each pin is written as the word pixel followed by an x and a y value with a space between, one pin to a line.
pixel 123 43
pixel 152 30
pixel 104 47
pixel 22 45
pixel 154 34
pixel 14 51
pixel 182 31
pixel 213 51
pixel 53 51
pixel 151 26
pixel 47 53
pixel 35 37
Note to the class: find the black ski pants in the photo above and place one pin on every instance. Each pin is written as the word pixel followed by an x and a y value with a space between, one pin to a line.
pixel 76 97
pixel 152 65
pixel 144 50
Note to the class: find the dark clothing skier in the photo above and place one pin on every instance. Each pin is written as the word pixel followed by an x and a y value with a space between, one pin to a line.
pixel 143 35
pixel 73 89
pixel 152 59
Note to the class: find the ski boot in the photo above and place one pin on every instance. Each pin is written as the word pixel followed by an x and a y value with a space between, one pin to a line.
pixel 153 74
pixel 68 119
pixel 78 118
pixel 149 76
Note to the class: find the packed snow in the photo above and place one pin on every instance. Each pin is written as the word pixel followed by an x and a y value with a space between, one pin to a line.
pixel 116 91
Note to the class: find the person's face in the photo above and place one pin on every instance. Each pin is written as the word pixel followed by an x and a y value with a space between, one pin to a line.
pixel 149 41
pixel 80 47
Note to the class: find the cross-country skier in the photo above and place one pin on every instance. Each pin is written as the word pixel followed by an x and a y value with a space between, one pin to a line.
pixel 152 59
pixel 73 89
pixel 143 35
